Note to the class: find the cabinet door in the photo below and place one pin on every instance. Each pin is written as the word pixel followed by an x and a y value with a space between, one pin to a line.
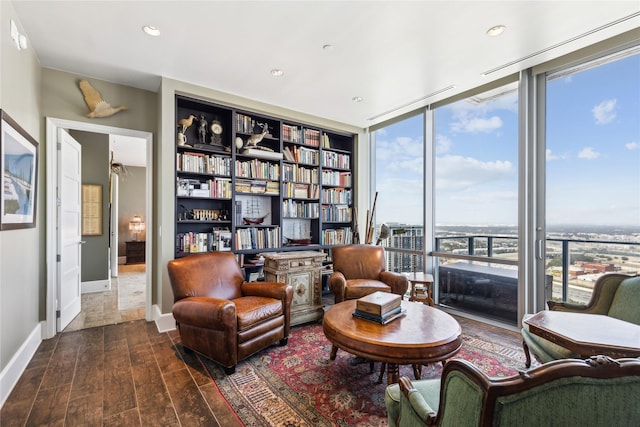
pixel 302 283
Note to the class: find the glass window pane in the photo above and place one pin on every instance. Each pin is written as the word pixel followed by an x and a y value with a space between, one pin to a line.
pixel 476 202
pixel 593 174
pixel 399 151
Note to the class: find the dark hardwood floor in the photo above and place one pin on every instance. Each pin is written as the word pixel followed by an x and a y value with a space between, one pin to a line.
pixel 117 375
pixel 129 374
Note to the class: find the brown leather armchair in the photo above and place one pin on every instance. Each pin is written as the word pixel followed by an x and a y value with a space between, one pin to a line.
pixel 359 270
pixel 220 315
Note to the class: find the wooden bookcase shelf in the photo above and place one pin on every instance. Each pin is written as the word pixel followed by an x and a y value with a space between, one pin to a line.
pixel 262 184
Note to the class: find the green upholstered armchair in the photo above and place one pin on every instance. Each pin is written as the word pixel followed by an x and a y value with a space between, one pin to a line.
pixel 616 295
pixel 599 391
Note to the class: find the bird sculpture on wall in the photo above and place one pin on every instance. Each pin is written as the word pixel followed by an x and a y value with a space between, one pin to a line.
pixel 98 107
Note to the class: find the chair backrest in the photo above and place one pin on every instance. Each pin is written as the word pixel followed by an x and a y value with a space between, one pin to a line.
pixel 358 261
pixel 626 300
pixel 598 391
pixel 211 274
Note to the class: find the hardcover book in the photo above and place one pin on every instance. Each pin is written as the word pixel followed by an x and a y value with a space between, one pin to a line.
pixel 382 320
pixel 378 303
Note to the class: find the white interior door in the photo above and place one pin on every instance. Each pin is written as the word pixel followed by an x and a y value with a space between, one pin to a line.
pixel 113 245
pixel 69 229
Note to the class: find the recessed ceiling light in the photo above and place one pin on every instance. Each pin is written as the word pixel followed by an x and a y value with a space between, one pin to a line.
pixel 276 72
pixel 357 99
pixel 151 30
pixel 496 31
pixel 327 47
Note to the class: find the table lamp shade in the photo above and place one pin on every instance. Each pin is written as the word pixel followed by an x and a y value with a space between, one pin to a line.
pixel 136 225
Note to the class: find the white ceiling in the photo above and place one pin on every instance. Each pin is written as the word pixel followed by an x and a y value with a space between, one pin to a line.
pixel 393 54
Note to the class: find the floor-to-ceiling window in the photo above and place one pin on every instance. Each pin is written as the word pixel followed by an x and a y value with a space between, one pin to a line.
pixel 476 203
pixel 592 173
pixel 398 221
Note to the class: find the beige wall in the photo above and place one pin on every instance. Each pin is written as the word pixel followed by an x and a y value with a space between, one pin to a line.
pixel 22 255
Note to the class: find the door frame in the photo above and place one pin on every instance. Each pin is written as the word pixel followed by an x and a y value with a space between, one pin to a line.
pixel 52 125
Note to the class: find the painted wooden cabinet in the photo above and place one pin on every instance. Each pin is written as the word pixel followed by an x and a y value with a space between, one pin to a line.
pixel 303 271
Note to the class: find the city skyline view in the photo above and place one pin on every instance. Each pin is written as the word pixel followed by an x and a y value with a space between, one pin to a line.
pixel 592 155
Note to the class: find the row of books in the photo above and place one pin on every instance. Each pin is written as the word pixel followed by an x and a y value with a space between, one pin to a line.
pixel 331 159
pixel 293 172
pixel 337 236
pixel 203 163
pixel 245 124
pixel 255 168
pixel 336 178
pixel 219 188
pixel 257 238
pixel 336 213
pixel 291 133
pixel 216 240
pixel 295 209
pixel 336 195
pixel 301 191
pixel 379 307
pixel 312 137
pixel 257 187
pixel 301 155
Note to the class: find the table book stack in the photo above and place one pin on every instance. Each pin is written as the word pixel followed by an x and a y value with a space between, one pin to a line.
pixel 379 307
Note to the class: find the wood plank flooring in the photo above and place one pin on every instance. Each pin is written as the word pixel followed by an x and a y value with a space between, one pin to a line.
pixel 129 374
pixel 117 375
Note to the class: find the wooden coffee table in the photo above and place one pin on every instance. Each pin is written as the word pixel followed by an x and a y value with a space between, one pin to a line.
pixel 424 335
pixel 586 334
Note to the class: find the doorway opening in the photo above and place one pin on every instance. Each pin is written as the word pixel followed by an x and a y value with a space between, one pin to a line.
pixel 117 245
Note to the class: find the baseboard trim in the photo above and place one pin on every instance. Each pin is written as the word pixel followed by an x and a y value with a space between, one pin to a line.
pixel 95 286
pixel 15 368
pixel 164 322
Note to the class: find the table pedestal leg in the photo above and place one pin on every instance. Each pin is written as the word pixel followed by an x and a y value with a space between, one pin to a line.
pixel 334 351
pixel 392 373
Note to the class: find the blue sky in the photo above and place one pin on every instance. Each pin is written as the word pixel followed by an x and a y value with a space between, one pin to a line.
pixel 593 155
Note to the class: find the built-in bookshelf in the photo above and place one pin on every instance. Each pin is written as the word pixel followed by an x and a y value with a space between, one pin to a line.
pixel 261 184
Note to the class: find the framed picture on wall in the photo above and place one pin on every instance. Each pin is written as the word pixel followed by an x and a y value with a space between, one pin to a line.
pixel 19 162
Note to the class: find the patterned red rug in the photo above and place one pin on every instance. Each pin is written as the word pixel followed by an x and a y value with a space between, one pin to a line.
pixel 297 385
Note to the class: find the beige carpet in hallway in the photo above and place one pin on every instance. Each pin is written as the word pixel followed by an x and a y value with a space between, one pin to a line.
pixel 125 301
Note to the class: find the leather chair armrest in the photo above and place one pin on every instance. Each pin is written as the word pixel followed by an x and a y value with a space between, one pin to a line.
pixel 266 289
pixel 204 312
pixel 337 285
pixel 279 291
pixel 398 282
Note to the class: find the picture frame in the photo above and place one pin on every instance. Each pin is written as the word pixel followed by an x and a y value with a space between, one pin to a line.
pixel 92 209
pixel 19 164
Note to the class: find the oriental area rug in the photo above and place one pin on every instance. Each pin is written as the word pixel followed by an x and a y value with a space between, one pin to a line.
pixel 297 385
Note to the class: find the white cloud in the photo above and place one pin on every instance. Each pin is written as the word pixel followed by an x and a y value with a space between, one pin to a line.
pixel 632 146
pixel 455 173
pixel 588 153
pixel 604 112
pixel 476 124
pixel 550 156
pixel 443 144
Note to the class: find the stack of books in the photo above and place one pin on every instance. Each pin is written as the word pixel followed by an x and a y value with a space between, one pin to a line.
pixel 379 307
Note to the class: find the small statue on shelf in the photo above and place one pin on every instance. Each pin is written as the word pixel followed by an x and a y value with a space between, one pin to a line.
pixel 202 130
pixel 184 124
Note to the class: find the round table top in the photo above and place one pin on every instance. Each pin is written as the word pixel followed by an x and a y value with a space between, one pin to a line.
pixel 423 335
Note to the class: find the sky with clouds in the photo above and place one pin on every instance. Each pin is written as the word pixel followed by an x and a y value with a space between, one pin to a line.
pixel 592 156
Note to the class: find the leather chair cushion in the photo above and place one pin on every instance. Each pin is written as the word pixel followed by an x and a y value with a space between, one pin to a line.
pixel 253 310
pixel 358 288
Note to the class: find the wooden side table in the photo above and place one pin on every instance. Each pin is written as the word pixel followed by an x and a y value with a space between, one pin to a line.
pixel 135 252
pixel 421 288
